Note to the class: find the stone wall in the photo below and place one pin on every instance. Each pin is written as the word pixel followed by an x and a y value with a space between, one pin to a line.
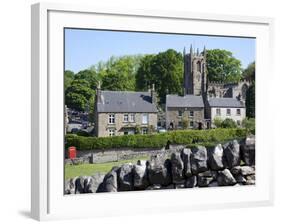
pixel 231 164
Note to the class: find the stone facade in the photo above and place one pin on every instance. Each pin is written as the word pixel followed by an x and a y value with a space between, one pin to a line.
pixel 104 127
pixel 177 116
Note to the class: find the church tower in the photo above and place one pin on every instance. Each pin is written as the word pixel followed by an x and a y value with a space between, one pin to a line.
pixel 195 75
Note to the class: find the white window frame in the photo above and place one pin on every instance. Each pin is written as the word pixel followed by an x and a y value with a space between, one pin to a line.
pixel 218 111
pixel 238 114
pixel 192 111
pixel 126 116
pixel 142 118
pixel 111 132
pixel 192 126
pixel 228 114
pixel 111 119
pixel 132 118
pixel 180 113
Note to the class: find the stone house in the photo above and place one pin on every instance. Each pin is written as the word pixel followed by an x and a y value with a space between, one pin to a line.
pixel 225 108
pixel 124 112
pixel 184 112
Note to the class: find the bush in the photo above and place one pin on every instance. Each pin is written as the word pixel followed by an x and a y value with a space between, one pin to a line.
pixel 249 124
pixel 186 137
pixel 217 122
pixel 228 123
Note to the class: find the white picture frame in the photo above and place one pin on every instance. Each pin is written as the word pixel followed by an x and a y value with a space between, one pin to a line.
pixel 48 201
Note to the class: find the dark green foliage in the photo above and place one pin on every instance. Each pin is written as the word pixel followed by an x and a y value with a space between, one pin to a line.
pixel 250 72
pixel 250 101
pixel 68 78
pixel 187 137
pixel 222 66
pixel 228 123
pixel 77 95
pixel 90 76
pixel 249 124
pixel 165 70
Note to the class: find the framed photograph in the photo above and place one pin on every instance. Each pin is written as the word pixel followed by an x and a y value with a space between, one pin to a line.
pixel 151 111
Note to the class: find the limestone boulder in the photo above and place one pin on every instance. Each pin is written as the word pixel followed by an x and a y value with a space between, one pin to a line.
pixel 243 170
pixel 110 181
pixel 248 152
pixel 125 177
pixel 93 183
pixel 159 170
pixel 177 168
pixel 185 155
pixel 70 186
pixel 198 160
pixel 140 178
pixel 191 182
pixel 232 154
pixel 215 157
pixel 225 178
pixel 205 178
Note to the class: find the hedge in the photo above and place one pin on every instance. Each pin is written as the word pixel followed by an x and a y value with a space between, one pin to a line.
pixel 187 137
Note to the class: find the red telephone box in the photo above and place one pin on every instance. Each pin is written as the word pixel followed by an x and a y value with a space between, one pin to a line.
pixel 72 152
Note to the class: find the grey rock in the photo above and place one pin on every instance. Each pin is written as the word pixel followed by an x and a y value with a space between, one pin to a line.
pixel 185 155
pixel 177 168
pixel 198 159
pixel 79 185
pixel 248 152
pixel 240 179
pixel 92 184
pixel 205 178
pixel 215 157
pixel 77 161
pixel 191 182
pixel 244 170
pixel 213 184
pixel 225 178
pixel 250 179
pixel 70 186
pixel 110 181
pixel 232 154
pixel 159 170
pixel 140 177
pixel 179 186
pixel 125 177
pixel 154 187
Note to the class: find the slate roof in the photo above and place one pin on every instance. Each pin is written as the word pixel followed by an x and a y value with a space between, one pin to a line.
pixel 125 101
pixel 184 101
pixel 225 102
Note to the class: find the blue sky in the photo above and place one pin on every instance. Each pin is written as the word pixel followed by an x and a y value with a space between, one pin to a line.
pixel 84 48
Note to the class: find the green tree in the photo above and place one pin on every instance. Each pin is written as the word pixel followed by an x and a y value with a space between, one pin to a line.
pixel 77 95
pixel 165 70
pixel 90 76
pixel 249 124
pixel 222 66
pixel 250 72
pixel 68 78
pixel 218 122
pixel 250 101
pixel 120 73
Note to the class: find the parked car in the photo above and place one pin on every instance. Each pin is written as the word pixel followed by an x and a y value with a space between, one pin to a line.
pixel 161 130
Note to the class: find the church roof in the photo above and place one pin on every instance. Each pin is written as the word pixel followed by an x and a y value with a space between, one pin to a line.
pixel 225 102
pixel 125 101
pixel 184 101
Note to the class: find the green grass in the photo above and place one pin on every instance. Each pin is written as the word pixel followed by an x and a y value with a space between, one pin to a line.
pixel 90 169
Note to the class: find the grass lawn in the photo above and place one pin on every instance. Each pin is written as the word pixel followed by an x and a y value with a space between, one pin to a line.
pixel 90 169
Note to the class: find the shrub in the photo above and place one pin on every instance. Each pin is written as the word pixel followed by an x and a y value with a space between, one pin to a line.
pixel 249 124
pixel 186 137
pixel 228 123
pixel 217 122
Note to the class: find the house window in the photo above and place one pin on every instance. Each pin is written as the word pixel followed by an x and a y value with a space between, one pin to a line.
pixel 180 124
pixel 132 118
pixel 126 117
pixel 111 118
pixel 111 132
pixel 191 124
pixel 228 112
pixel 144 131
pixel 218 111
pixel 180 113
pixel 238 111
pixel 144 118
pixel 191 113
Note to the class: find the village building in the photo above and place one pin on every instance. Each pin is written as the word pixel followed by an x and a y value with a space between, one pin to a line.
pixel 184 112
pixel 124 112
pixel 202 99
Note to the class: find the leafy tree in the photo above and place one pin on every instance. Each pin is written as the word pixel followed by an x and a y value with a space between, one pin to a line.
pixel 249 124
pixel 222 66
pixel 218 122
pixel 250 101
pixel 78 95
pixel 68 78
pixel 228 123
pixel 250 72
pixel 90 76
pixel 120 73
pixel 165 70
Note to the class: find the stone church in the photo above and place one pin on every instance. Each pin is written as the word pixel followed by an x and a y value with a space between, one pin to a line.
pixel 202 101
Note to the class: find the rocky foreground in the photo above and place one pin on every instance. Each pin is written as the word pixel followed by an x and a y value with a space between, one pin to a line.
pixel 231 164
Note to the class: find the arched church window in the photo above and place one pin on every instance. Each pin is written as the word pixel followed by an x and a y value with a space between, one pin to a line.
pixel 199 66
